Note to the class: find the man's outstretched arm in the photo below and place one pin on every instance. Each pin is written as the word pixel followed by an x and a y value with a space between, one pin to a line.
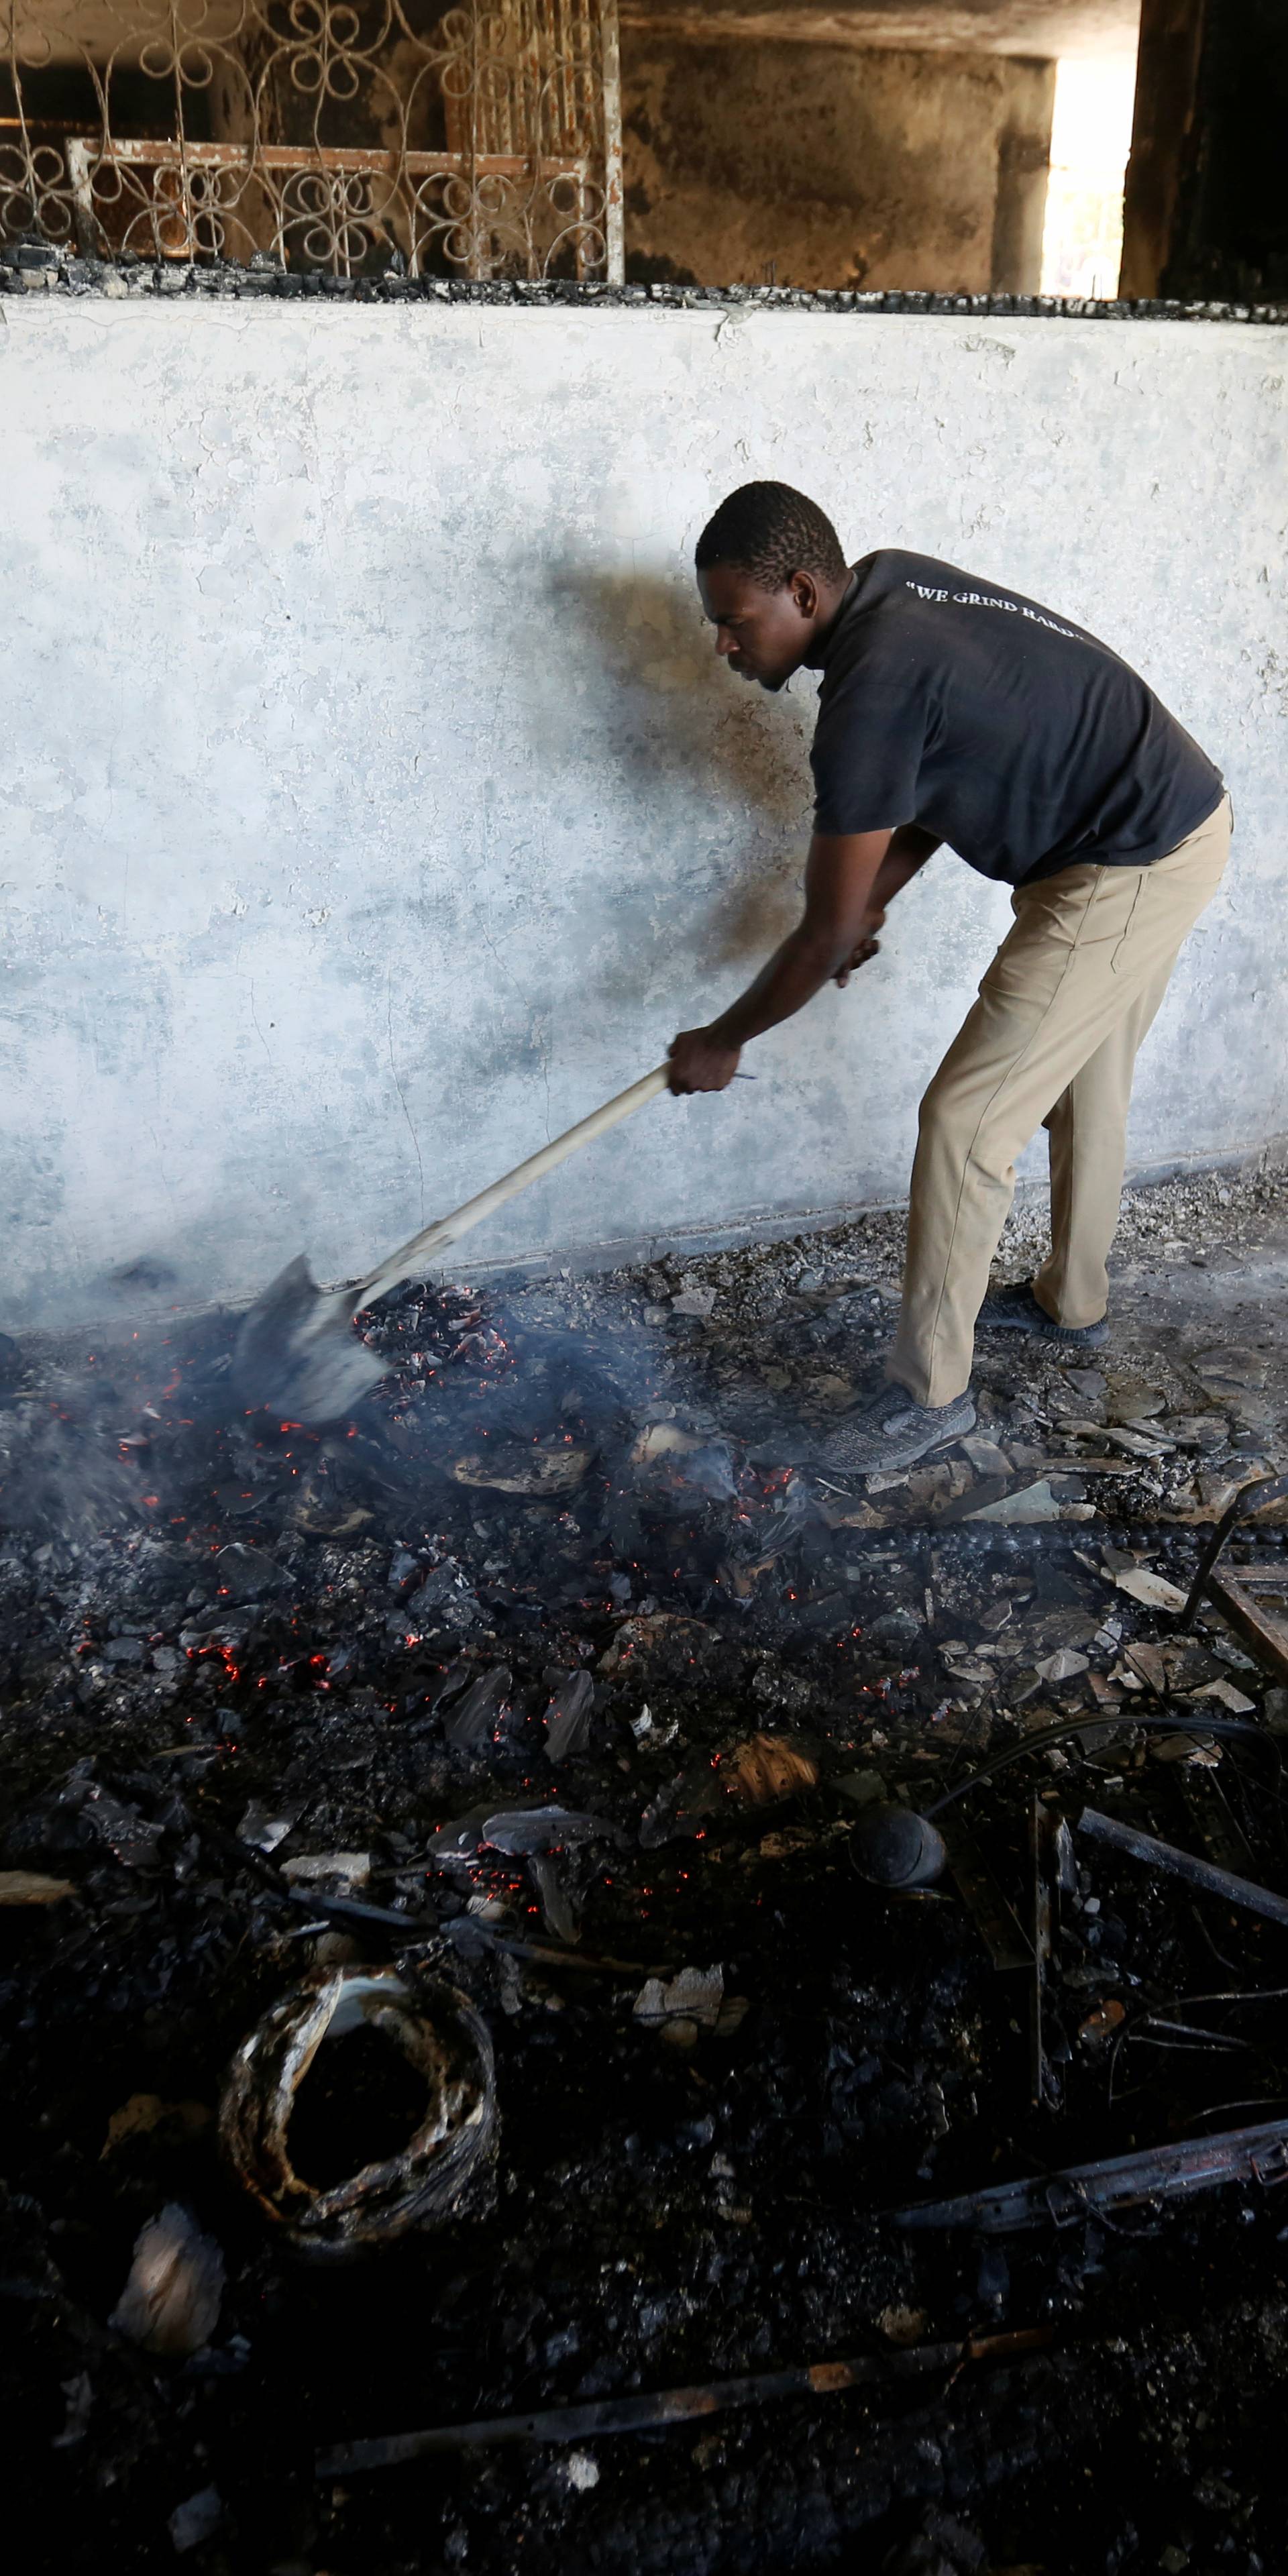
pixel 849 877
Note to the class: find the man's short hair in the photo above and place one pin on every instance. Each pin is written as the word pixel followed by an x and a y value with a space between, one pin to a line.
pixel 770 531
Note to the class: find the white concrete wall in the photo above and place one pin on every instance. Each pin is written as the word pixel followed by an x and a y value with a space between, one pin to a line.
pixel 372 807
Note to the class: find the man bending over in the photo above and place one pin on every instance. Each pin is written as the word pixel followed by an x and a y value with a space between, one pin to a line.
pixel 954 711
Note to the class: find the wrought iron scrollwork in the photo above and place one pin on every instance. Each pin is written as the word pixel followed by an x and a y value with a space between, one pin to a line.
pixel 347 136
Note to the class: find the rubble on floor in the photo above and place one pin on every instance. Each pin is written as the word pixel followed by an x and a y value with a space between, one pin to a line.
pixel 474 1795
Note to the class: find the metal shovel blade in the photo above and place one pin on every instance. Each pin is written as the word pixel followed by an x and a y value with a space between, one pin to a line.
pixel 298 1354
pixel 297 1349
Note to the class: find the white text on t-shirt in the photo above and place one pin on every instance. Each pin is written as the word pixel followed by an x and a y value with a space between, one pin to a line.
pixel 984 599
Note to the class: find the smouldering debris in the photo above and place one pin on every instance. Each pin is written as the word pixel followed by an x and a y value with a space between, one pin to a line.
pixel 294 1715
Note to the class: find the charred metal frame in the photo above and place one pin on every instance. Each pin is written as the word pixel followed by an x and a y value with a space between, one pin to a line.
pixel 1246 1597
pixel 1136 1845
pixel 480 141
pixel 1150 2174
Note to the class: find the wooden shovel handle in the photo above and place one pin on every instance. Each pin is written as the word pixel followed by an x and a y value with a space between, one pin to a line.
pixel 412 1257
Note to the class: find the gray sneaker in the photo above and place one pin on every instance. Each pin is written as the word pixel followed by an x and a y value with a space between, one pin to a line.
pixel 1016 1310
pixel 893 1432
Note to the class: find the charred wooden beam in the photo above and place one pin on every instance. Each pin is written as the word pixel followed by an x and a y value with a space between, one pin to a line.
pixel 676 2405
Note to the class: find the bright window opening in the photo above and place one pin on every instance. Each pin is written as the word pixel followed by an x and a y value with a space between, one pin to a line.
pixel 1082 238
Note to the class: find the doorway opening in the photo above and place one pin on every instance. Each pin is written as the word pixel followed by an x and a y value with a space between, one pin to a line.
pixel 1082 234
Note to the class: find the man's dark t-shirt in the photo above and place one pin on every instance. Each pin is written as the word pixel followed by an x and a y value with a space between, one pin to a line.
pixel 1004 730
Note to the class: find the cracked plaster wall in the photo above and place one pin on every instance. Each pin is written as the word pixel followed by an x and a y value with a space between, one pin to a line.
pixel 371 805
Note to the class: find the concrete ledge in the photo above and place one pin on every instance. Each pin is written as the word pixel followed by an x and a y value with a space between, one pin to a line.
pixel 38 268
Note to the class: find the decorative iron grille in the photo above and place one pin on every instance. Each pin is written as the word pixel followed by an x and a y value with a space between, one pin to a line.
pixel 348 136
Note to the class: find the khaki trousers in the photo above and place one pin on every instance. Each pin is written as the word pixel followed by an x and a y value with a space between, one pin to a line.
pixel 1051 1041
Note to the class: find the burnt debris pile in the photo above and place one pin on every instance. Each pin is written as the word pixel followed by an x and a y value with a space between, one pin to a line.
pixel 445 1979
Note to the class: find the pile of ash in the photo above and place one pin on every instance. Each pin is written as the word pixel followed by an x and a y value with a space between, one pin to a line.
pixel 558 1679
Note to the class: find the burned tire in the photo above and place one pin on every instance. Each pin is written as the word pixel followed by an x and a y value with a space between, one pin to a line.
pixel 446 2169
